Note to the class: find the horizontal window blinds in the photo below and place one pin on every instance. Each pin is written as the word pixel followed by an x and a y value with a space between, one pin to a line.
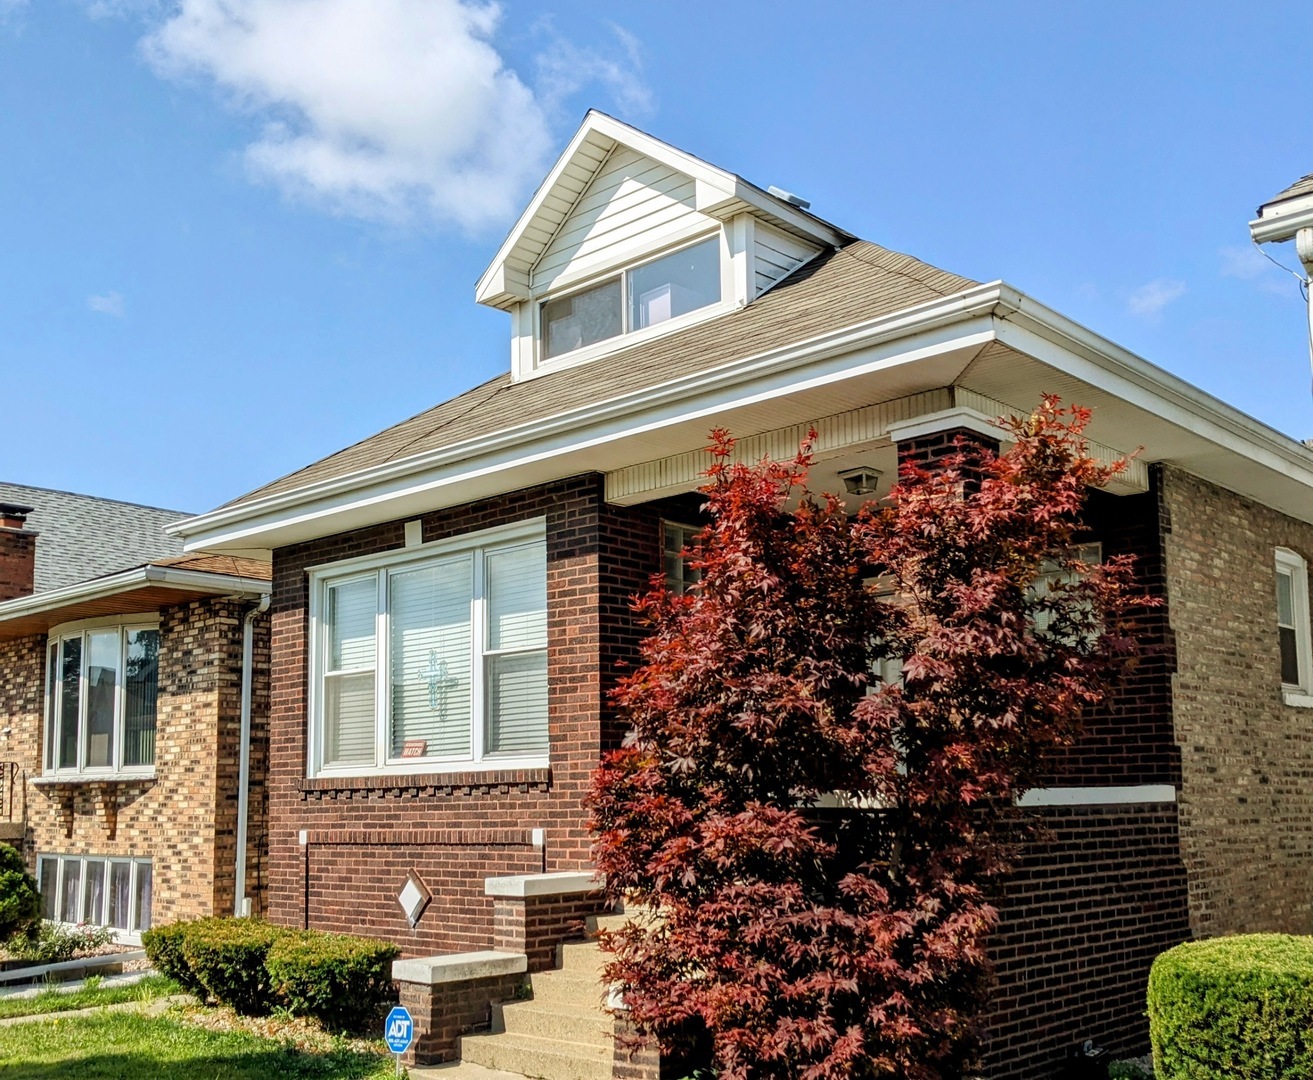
pixel 516 667
pixel 349 711
pixel 430 645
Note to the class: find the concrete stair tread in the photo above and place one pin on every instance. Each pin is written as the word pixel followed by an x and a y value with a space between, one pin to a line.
pixel 565 1021
pixel 548 1059
pixel 559 1008
pixel 460 1070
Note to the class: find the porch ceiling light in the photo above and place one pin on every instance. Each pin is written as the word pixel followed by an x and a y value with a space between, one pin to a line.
pixel 414 898
pixel 863 480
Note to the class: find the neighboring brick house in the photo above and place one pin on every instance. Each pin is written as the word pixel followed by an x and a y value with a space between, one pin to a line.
pixel 451 596
pixel 122 703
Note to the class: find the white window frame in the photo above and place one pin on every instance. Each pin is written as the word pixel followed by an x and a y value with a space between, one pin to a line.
pixel 321 578
pixel 627 335
pixel 54 695
pixel 688 539
pixel 1292 564
pixel 129 936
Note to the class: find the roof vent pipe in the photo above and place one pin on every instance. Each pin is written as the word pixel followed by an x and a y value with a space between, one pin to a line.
pixel 789 197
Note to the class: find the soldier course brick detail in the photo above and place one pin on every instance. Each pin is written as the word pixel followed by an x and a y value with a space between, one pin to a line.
pixel 1246 756
pixel 598 558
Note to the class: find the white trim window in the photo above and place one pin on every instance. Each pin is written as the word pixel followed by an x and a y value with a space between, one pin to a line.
pixel 1293 622
pixel 678 543
pixel 659 290
pixel 97 889
pixel 1053 575
pixel 102 691
pixel 432 659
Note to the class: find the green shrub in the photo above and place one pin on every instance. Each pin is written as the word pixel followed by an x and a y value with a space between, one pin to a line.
pixel 340 980
pixel 20 900
pixel 226 956
pixel 164 949
pixel 1234 1007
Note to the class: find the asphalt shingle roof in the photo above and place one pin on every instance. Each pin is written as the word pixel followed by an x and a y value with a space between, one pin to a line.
pixel 1302 186
pixel 84 537
pixel 838 289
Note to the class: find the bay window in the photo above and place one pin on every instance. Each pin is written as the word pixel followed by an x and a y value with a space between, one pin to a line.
pixel 102 686
pixel 434 659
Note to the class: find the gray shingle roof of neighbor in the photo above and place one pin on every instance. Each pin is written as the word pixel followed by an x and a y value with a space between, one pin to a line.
pixel 837 289
pixel 1302 186
pixel 84 537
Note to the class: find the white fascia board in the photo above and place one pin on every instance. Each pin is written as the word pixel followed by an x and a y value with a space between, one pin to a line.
pixel 956 321
pixel 1050 337
pixel 127 580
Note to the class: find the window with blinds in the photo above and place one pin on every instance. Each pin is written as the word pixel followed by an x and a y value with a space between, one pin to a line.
pixel 434 659
pixel 1292 611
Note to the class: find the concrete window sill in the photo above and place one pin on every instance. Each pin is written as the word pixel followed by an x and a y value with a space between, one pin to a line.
pixel 54 779
pixel 1298 699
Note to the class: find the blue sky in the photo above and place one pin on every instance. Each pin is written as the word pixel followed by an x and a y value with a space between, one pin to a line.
pixel 236 235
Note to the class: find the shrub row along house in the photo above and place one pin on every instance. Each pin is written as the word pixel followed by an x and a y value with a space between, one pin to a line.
pixel 126 698
pixel 450 604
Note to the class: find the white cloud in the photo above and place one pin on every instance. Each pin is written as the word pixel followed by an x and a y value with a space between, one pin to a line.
pixel 110 303
pixel 1149 299
pixel 388 110
pixel 1249 264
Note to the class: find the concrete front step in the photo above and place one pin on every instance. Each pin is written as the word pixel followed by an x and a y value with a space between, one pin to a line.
pixel 571 988
pixel 550 1020
pixel 547 1059
pixel 584 957
pixel 594 923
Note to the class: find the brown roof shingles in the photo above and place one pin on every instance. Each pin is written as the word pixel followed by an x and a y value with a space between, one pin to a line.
pixel 858 282
pixel 1302 186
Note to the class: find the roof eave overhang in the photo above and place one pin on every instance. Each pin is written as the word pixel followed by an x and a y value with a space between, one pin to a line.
pixel 717 193
pixel 1281 220
pixel 125 581
pixel 969 319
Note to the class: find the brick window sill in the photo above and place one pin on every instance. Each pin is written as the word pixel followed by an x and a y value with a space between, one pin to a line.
pixel 1297 699
pixel 451 783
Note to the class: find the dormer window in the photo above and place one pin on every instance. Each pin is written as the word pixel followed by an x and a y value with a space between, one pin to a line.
pixel 643 296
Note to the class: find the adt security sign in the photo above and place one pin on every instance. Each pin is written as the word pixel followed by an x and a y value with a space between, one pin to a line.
pixel 399 1032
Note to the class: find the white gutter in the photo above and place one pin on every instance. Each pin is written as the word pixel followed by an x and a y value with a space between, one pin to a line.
pixel 1006 309
pixel 125 581
pixel 241 902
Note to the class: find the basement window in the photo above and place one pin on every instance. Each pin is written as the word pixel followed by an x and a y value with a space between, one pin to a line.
pixel 433 659
pixel 655 292
pixel 96 889
pixel 102 688
pixel 1293 622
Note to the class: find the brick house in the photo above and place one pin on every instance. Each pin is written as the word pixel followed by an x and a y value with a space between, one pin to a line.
pixel 451 597
pixel 123 704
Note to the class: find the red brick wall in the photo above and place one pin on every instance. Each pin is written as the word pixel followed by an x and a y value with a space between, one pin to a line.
pixel 17 562
pixel 597 557
pixel 1083 915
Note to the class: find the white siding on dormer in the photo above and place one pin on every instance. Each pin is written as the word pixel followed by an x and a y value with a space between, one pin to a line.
pixel 633 205
pixel 777 254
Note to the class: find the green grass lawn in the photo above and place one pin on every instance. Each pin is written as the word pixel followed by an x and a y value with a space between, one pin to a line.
pixel 126 1046
pixel 52 1000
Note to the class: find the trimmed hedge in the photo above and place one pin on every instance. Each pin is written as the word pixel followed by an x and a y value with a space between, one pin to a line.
pixel 340 980
pixel 226 957
pixel 163 945
pixel 1235 1007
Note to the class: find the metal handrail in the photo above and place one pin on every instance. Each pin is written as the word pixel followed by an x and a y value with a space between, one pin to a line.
pixel 11 791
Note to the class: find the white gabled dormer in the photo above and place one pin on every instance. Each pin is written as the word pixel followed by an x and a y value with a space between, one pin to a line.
pixel 629 238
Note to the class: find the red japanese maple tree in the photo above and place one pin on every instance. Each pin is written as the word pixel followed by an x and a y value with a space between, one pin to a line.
pixel 812 942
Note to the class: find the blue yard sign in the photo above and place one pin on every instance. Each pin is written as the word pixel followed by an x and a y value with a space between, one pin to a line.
pixel 399 1032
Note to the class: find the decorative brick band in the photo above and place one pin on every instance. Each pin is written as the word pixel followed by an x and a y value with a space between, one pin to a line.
pixel 426 785
pixel 401 838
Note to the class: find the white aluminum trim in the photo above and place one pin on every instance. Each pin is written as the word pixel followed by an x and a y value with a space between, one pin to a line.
pixel 126 580
pixel 1099 796
pixel 947 420
pixel 1279 226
